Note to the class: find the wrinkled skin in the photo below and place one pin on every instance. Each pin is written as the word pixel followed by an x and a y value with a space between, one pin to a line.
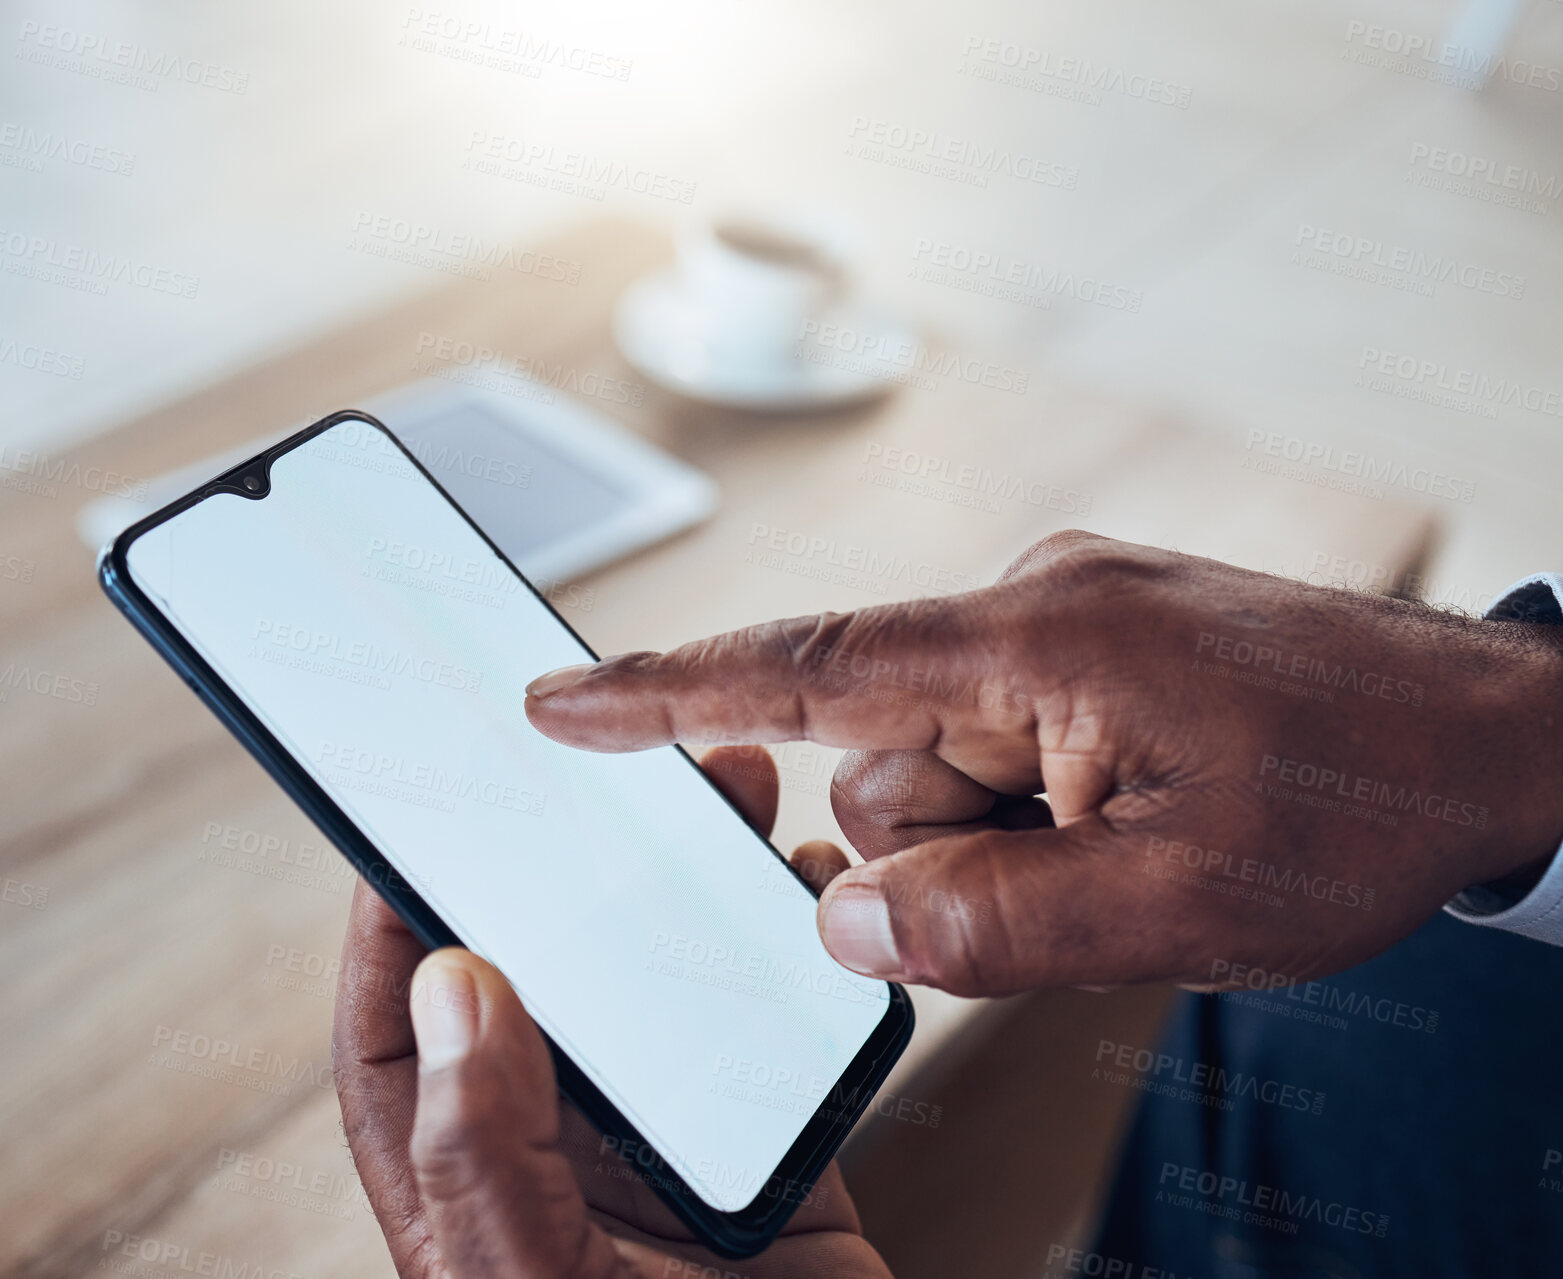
pixel 1083 672
pixel 477 1170
pixel 1099 672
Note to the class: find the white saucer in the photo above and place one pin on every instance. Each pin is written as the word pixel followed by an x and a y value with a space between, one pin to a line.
pixel 677 342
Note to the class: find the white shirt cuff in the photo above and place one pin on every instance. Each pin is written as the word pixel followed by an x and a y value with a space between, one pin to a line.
pixel 1539 913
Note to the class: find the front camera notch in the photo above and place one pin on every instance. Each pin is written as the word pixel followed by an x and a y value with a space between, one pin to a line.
pixel 255 482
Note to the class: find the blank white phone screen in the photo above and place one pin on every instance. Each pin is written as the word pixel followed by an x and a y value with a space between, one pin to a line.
pixel 658 940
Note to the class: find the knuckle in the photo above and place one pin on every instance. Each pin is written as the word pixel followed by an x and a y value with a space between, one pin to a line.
pixel 845 652
pixel 809 643
pixel 1064 542
pixel 1048 550
pixel 1097 566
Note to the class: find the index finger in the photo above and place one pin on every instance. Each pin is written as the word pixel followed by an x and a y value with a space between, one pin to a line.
pixel 894 676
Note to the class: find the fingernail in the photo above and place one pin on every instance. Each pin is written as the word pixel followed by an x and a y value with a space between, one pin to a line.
pixel 444 1014
pixel 856 930
pixel 552 682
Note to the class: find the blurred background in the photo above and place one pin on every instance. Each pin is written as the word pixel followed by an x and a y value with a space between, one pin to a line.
pixel 1277 283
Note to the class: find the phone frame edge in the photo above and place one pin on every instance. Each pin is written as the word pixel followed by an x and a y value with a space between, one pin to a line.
pixel 734 1235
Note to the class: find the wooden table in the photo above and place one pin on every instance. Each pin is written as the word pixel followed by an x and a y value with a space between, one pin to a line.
pixel 161 897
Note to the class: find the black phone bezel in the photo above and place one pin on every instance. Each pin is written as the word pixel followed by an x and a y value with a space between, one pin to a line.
pixel 730 1234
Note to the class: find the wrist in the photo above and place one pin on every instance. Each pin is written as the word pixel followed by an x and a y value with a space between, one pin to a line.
pixel 1512 739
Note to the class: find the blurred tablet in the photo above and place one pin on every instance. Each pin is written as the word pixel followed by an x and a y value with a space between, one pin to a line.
pixel 560 489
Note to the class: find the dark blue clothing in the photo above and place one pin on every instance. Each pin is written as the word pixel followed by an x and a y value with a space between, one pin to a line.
pixel 1437 1149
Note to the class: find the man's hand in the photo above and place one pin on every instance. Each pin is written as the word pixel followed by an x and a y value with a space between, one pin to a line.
pixel 1244 775
pixel 472 1165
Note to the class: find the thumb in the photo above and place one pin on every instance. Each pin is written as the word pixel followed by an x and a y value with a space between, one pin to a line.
pixel 998 912
pixel 485 1146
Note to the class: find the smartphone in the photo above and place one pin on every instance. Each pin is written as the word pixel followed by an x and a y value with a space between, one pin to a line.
pixel 354 628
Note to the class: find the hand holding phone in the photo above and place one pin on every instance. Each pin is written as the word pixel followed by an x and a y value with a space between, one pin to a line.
pixel 371 647
pixel 493 1160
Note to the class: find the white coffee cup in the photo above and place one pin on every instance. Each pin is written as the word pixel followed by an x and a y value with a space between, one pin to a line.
pixel 756 281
